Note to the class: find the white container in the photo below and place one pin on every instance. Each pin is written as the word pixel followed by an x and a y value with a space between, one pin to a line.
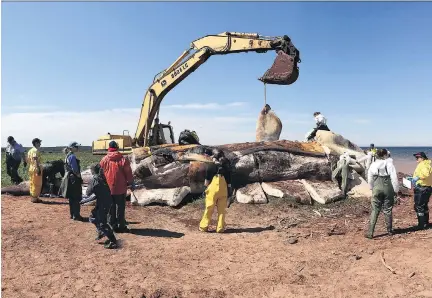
pixel 407 182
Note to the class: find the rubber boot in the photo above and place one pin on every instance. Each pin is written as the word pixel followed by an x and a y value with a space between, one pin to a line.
pixel 389 224
pixel 36 200
pixel 372 223
pixel 110 244
pixel 99 235
pixel 421 222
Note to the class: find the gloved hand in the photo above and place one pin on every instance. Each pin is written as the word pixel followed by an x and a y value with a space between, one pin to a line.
pixel 414 181
pixel 132 186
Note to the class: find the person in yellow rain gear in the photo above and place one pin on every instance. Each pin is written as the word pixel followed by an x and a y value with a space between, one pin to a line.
pixel 218 183
pixel 422 182
pixel 35 170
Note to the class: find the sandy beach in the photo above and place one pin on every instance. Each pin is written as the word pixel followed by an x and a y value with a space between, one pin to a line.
pixel 404 165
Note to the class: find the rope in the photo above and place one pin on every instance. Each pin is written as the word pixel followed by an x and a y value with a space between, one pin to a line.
pixel 265 94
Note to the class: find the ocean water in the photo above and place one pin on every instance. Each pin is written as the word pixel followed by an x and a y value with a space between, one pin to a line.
pixel 403 158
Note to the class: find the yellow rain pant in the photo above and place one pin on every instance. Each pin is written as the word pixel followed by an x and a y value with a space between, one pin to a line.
pixel 35 184
pixel 216 195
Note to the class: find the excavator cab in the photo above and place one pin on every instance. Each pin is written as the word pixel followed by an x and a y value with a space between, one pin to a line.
pixel 165 134
pixel 125 141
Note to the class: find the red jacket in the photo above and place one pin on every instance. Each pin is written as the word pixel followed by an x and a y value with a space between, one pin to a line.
pixel 117 171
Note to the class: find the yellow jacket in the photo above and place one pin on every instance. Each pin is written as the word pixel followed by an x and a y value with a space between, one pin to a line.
pixel 33 154
pixel 424 172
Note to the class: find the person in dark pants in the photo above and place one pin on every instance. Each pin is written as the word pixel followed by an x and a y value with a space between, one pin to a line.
pixel 99 187
pixel 118 173
pixel 422 182
pixel 71 187
pixel 321 124
pixel 14 154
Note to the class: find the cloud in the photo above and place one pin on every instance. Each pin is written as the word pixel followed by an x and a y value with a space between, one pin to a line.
pixel 207 106
pixel 30 107
pixel 58 128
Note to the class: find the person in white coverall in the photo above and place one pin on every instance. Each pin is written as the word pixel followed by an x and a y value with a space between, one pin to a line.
pixel 383 181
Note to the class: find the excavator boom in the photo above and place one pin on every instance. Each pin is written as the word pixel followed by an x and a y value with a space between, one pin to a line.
pixel 198 53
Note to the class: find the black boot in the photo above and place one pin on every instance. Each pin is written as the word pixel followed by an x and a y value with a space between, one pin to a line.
pixel 110 244
pixel 427 224
pixel 421 222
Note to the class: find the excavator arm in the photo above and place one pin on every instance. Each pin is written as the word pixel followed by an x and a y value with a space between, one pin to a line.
pixel 198 53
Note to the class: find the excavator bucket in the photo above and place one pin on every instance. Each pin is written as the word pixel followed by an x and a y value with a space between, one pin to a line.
pixel 284 71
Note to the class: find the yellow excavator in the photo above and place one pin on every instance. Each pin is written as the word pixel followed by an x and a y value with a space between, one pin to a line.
pixel 284 73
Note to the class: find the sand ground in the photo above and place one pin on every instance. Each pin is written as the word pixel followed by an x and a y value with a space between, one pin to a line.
pixel 45 254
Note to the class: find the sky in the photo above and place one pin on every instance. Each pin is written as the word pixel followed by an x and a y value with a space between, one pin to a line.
pixel 75 71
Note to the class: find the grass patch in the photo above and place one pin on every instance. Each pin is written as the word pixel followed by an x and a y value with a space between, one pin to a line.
pixel 86 159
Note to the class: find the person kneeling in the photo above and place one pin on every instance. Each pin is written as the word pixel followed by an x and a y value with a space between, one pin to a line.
pixel 218 183
pixel 99 217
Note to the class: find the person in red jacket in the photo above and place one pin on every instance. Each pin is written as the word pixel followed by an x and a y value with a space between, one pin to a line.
pixel 118 174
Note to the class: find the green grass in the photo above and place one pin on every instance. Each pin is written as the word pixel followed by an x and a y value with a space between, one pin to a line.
pixel 86 158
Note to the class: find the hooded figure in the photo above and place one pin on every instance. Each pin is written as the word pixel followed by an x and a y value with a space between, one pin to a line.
pixel 269 126
pixel 118 173
pixel 383 181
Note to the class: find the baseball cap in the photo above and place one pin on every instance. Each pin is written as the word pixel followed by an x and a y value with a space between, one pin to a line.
pixel 420 154
pixel 74 144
